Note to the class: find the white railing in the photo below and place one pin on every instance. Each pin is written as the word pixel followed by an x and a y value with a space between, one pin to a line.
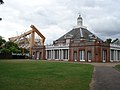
pixel 115 45
pixel 60 46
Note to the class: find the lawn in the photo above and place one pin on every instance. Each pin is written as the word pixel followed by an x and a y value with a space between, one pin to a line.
pixel 117 67
pixel 43 75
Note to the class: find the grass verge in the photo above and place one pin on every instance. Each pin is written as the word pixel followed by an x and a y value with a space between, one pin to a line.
pixel 117 67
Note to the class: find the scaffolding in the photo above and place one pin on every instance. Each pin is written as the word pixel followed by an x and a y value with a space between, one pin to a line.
pixel 27 40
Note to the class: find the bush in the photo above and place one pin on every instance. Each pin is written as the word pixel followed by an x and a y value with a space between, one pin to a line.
pixel 5 56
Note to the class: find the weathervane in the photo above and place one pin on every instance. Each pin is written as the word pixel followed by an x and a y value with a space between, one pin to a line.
pixel 79 14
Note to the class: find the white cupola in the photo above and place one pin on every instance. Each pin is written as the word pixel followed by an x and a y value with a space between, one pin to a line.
pixel 79 21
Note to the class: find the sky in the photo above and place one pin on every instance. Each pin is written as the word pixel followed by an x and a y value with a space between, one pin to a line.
pixel 54 18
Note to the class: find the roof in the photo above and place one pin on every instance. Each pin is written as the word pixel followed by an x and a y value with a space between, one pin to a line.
pixel 116 41
pixel 78 33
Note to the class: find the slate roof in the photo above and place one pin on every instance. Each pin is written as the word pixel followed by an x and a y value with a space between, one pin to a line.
pixel 116 41
pixel 77 34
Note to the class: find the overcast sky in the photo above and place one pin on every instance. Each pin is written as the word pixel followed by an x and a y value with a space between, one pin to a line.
pixel 53 18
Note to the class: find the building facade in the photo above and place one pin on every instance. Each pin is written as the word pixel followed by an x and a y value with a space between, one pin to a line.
pixel 80 45
pixel 115 51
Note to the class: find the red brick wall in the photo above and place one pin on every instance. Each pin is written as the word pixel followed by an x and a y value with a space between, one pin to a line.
pixel 41 50
pixel 97 48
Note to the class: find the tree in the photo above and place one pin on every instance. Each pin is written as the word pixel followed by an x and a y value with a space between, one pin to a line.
pixel 2 41
pixel 4 50
pixel 109 40
pixel 1 2
pixel 8 47
pixel 9 44
pixel 12 47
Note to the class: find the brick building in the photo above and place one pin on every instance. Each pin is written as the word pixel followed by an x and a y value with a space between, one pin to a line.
pixel 79 44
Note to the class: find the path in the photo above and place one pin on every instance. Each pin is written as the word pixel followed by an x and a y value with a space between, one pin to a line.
pixel 105 77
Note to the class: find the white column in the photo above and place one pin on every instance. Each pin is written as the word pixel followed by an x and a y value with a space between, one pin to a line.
pixel 63 54
pixel 46 55
pixel 59 54
pixel 119 55
pixel 51 54
pixel 110 55
pixel 116 55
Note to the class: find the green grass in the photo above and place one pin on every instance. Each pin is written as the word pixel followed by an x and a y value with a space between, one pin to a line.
pixel 117 67
pixel 41 75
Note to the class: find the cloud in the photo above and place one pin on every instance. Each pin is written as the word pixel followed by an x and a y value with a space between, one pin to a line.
pixel 52 32
pixel 59 16
pixel 107 25
pixel 11 29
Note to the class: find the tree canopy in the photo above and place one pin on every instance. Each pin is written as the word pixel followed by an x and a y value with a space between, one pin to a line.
pixel 1 2
pixel 8 47
pixel 2 41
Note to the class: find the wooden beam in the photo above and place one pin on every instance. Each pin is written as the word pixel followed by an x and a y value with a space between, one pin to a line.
pixel 32 41
pixel 40 34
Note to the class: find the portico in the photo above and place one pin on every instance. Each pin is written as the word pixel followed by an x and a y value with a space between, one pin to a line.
pixel 57 52
pixel 114 52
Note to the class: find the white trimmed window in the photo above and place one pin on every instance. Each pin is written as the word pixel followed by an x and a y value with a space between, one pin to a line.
pixel 82 55
pixel 104 55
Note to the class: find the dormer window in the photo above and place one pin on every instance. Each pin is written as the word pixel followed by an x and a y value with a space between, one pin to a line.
pixel 68 36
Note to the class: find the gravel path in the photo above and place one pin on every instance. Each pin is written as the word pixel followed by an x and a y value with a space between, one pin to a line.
pixel 106 78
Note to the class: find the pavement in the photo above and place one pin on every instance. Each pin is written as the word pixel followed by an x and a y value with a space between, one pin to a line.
pixel 105 77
